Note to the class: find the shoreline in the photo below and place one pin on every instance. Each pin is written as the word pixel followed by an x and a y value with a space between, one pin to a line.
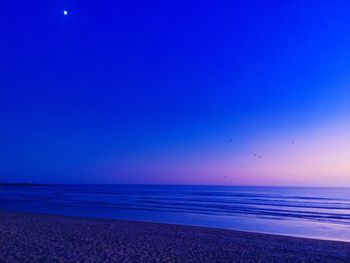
pixel 29 236
pixel 175 224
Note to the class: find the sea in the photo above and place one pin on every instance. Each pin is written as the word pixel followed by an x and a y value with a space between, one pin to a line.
pixel 320 213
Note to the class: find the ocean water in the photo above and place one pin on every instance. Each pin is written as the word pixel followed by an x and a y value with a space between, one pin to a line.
pixel 322 213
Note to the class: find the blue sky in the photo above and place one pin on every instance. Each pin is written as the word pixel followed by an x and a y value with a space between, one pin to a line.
pixel 109 91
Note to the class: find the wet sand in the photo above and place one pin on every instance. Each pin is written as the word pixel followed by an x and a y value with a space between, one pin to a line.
pixel 46 238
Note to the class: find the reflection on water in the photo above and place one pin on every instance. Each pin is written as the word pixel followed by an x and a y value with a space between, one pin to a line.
pixel 310 212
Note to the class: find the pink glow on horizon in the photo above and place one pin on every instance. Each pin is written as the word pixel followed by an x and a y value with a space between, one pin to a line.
pixel 317 158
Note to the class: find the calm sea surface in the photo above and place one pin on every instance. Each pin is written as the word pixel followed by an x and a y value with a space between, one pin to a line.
pixel 308 212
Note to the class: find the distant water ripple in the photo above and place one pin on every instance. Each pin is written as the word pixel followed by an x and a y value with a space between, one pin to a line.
pixel 313 212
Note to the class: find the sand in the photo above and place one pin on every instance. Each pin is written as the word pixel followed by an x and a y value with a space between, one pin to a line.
pixel 47 238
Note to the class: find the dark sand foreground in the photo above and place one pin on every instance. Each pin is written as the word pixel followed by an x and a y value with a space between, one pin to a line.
pixel 46 238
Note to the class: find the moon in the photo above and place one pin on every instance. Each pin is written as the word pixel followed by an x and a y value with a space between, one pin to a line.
pixel 65 12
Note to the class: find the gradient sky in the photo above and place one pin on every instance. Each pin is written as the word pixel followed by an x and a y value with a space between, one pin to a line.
pixel 175 92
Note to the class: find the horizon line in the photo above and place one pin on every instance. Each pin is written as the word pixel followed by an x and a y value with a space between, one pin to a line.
pixel 160 184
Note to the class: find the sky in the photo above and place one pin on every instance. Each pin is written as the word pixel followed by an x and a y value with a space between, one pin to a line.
pixel 175 92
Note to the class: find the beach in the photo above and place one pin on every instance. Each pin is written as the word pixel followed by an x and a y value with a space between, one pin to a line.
pixel 26 237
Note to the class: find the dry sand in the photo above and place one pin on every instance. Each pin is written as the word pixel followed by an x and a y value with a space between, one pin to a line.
pixel 46 238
